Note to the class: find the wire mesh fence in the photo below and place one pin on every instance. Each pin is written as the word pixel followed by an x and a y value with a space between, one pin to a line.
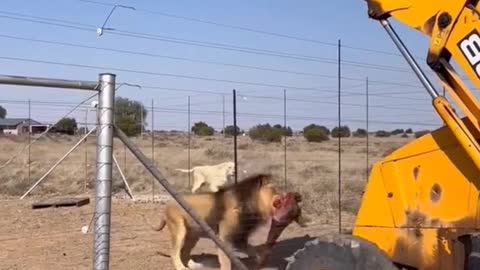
pixel 296 161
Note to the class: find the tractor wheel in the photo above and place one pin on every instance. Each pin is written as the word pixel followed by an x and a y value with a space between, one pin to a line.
pixel 472 250
pixel 340 252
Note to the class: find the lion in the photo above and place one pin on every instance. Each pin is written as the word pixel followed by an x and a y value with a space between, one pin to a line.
pixel 234 212
pixel 216 176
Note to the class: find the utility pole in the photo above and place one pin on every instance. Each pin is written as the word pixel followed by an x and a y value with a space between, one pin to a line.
pixel 339 140
pixel 223 113
pixel 86 151
pixel 189 145
pixel 235 134
pixel 153 147
pixel 29 138
pixel 367 127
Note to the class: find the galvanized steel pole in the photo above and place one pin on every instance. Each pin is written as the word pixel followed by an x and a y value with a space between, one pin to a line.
pixel 103 187
pixel 409 58
pixel 54 83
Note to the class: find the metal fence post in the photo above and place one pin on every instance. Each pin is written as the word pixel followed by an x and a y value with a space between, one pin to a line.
pixel 235 153
pixel 189 158
pixel 85 184
pixel 339 139
pixel 103 187
pixel 29 140
pixel 153 148
pixel 367 173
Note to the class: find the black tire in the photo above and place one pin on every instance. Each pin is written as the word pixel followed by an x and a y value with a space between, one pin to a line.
pixel 473 252
pixel 340 252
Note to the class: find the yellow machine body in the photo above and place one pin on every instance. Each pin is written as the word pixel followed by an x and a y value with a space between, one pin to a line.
pixel 423 199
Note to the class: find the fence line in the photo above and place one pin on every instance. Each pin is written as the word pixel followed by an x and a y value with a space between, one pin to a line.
pixel 292 159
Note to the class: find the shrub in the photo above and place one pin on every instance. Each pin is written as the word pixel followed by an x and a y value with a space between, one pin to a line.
pixel 66 126
pixel 420 133
pixel 129 126
pixel 230 131
pixel 315 134
pixel 266 133
pixel 404 135
pixel 409 131
pixel 286 131
pixel 382 133
pixel 323 128
pixel 202 129
pixel 397 131
pixel 360 132
pixel 343 131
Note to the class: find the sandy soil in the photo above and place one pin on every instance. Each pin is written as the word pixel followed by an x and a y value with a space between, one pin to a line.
pixel 51 238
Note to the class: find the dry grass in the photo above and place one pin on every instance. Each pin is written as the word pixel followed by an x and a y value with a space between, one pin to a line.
pixel 312 168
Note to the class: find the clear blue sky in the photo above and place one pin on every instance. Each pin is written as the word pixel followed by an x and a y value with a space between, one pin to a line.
pixel 325 21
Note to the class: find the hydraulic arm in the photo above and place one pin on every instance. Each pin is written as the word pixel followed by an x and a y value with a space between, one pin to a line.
pixel 421 203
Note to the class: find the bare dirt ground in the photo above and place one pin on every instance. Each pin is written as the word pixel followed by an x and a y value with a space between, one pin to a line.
pixel 51 238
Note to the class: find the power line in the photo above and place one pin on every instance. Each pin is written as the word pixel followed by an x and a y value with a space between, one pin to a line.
pixel 252 30
pixel 291 117
pixel 161 74
pixel 81 26
pixel 77 45
pixel 86 27
pixel 64 103
pixel 334 103
pixel 167 74
pixel 124 51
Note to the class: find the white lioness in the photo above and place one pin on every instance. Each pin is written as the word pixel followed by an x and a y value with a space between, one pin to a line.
pixel 215 175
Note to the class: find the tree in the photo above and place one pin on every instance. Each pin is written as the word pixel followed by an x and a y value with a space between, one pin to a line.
pixel 230 130
pixel 323 128
pixel 128 116
pixel 315 134
pixel 266 133
pixel 409 131
pixel 202 129
pixel 382 133
pixel 397 131
pixel 286 131
pixel 343 131
pixel 66 126
pixel 3 112
pixel 360 132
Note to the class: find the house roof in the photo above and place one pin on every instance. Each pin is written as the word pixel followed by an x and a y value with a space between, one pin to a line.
pixel 17 121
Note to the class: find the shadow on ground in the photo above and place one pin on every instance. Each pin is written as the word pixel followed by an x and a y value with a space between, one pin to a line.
pixel 277 260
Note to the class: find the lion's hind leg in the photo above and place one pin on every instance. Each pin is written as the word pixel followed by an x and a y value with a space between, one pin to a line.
pixel 190 241
pixel 178 245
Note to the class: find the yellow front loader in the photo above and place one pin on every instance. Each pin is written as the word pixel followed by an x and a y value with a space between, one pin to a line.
pixel 420 209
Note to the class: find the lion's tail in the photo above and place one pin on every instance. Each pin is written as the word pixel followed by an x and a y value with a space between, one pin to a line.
pixel 160 226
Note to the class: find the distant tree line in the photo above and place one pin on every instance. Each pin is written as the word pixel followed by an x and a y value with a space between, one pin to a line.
pixel 128 116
